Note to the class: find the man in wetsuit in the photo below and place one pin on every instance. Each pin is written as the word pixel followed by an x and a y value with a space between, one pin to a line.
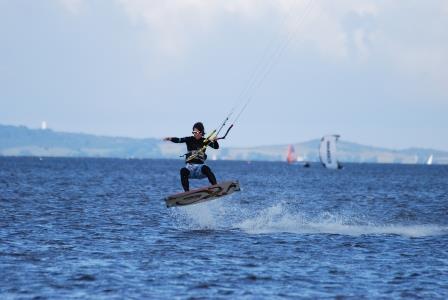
pixel 195 159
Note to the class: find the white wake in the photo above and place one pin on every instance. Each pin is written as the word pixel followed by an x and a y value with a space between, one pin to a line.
pixel 279 219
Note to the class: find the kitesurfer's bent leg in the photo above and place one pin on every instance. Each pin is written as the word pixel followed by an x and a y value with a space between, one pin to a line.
pixel 184 173
pixel 208 172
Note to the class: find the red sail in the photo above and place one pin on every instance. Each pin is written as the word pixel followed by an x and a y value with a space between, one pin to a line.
pixel 290 158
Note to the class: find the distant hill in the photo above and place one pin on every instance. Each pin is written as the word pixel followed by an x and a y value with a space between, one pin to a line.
pixel 22 141
pixel 347 152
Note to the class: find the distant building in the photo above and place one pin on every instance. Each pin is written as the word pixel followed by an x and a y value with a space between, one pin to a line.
pixel 43 125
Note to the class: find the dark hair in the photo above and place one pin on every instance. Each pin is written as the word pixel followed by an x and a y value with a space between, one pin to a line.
pixel 199 126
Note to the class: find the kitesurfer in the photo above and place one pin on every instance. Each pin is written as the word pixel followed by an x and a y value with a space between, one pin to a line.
pixel 195 157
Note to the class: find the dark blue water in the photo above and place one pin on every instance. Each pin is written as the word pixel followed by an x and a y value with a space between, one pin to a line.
pixel 98 229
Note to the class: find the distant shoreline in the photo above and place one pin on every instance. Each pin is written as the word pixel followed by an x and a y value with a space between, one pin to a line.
pixel 20 141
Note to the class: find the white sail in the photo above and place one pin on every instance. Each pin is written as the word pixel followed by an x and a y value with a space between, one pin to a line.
pixel 429 161
pixel 328 153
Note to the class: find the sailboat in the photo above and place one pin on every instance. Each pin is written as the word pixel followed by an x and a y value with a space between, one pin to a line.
pixel 328 153
pixel 429 161
pixel 293 158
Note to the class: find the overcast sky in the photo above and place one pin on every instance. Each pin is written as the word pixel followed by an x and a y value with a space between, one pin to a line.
pixel 375 72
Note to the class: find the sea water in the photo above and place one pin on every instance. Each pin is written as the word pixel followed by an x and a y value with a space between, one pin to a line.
pixel 77 228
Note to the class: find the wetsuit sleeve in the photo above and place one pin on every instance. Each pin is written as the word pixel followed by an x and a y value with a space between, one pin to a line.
pixel 214 145
pixel 178 140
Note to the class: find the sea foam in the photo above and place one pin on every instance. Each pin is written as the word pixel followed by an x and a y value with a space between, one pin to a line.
pixel 278 219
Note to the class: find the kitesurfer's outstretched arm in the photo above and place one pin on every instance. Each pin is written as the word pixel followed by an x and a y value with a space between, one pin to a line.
pixel 175 139
pixel 213 142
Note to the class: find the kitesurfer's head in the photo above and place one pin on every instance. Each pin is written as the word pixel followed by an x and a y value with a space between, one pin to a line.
pixel 198 130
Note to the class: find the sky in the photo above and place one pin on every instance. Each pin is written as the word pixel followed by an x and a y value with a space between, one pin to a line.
pixel 373 71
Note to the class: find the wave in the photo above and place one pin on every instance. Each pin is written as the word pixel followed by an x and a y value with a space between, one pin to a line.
pixel 277 219
pixel 280 219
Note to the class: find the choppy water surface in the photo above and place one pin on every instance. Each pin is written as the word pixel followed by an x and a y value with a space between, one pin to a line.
pixel 98 228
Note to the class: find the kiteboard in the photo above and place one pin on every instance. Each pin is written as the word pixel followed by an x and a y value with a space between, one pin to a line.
pixel 203 194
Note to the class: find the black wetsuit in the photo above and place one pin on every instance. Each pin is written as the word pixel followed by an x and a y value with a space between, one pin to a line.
pixel 193 146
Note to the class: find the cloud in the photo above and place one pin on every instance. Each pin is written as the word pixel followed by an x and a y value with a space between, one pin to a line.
pixel 412 37
pixel 73 6
pixel 408 35
pixel 177 23
pixel 339 29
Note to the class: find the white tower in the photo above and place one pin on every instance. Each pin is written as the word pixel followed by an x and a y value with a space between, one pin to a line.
pixel 43 126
